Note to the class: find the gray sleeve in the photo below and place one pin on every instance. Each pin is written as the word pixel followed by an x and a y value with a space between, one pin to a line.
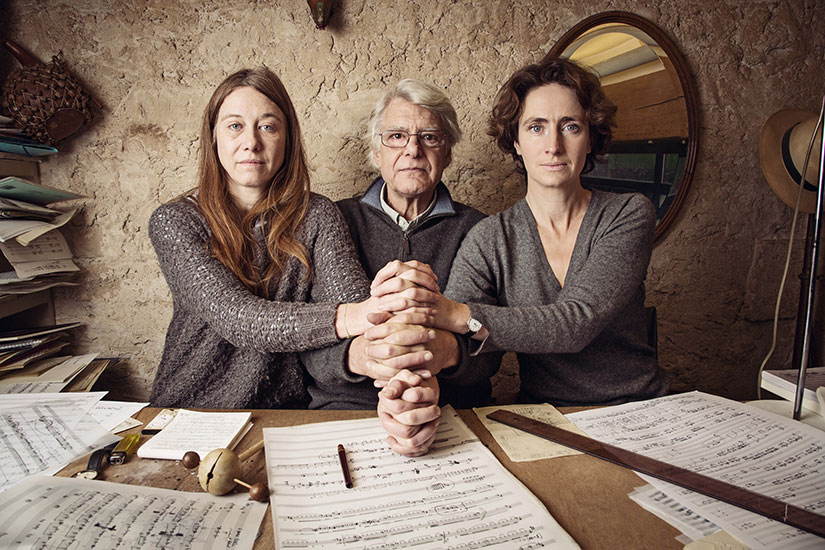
pixel 337 275
pixel 203 286
pixel 613 272
pixel 473 282
pixel 347 282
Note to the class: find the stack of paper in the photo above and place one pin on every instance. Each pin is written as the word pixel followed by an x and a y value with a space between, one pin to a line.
pixel 35 254
pixel 34 360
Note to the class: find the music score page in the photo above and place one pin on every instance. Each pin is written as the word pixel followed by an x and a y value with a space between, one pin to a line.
pixel 458 496
pixel 734 442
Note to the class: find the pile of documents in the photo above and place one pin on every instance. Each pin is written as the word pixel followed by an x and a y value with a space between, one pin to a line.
pixel 32 361
pixel 36 256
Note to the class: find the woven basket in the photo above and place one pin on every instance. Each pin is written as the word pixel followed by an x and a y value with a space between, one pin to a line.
pixel 45 101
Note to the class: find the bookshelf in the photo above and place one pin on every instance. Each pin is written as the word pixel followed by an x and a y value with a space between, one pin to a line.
pixel 26 310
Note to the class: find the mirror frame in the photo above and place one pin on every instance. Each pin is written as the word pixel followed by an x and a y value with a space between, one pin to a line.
pixel 685 79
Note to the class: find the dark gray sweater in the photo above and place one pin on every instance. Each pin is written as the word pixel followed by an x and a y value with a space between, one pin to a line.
pixel 379 240
pixel 584 343
pixel 226 347
pixel 434 241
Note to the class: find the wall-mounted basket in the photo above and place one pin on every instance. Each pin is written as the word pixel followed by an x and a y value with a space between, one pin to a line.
pixel 43 99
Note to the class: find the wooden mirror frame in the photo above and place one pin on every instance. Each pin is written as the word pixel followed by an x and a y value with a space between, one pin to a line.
pixel 685 80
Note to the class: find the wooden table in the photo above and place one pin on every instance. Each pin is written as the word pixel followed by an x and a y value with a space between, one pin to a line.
pixel 587 496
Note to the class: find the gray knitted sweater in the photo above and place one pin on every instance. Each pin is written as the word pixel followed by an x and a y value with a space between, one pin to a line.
pixel 226 347
pixel 584 343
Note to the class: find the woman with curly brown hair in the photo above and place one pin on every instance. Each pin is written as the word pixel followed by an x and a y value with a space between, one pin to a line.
pixel 559 277
pixel 260 269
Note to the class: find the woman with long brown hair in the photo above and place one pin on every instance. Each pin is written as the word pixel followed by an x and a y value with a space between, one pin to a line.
pixel 259 267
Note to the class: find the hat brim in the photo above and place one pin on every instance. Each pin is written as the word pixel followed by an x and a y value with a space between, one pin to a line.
pixel 773 159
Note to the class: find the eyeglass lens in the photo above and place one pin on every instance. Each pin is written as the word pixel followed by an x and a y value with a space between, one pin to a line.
pixel 400 138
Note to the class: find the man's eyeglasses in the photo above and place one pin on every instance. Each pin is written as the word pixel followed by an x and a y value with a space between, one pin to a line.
pixel 397 139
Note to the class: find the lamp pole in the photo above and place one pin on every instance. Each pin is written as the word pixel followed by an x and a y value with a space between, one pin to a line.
pixel 811 291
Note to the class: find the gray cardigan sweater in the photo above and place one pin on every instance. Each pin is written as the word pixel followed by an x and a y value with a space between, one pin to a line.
pixel 584 343
pixel 226 347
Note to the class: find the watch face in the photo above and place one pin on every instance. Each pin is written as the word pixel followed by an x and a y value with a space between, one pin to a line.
pixel 87 474
pixel 474 325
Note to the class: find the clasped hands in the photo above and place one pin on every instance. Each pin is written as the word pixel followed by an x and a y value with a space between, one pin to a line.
pixel 404 350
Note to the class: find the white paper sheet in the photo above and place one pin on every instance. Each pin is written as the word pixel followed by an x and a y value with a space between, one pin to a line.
pixel 9 388
pixel 110 414
pixel 521 446
pixel 48 253
pixel 59 512
pixel 80 402
pixel 457 496
pixel 730 441
pixel 44 438
pixel 684 519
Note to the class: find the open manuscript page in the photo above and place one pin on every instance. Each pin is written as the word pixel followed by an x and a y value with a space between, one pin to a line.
pixel 457 496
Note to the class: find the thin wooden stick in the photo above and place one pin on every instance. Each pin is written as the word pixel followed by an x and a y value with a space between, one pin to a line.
pixel 251 451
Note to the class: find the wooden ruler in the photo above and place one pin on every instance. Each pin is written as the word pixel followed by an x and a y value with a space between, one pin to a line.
pixel 738 496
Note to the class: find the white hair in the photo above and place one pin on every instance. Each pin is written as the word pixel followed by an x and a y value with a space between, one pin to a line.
pixel 421 94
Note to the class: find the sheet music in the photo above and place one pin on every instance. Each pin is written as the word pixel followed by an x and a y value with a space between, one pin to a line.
pixel 43 438
pixel 521 446
pixel 80 402
pixel 31 387
pixel 742 445
pixel 196 431
pixel 672 511
pixel 60 512
pixel 458 496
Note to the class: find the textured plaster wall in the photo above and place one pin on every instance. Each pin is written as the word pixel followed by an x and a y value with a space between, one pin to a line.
pixel 153 65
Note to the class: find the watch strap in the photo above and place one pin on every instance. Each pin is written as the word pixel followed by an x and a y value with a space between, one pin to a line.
pixel 97 460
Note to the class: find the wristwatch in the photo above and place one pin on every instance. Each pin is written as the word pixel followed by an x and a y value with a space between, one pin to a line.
pixel 473 326
pixel 97 461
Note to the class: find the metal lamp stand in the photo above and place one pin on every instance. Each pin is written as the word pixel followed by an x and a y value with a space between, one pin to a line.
pixel 813 247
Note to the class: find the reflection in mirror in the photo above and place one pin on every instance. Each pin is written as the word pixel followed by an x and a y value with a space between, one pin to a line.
pixel 654 145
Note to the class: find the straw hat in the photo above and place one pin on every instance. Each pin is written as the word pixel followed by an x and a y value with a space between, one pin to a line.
pixel 782 149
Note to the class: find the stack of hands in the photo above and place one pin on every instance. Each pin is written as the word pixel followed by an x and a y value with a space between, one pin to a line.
pixel 408 343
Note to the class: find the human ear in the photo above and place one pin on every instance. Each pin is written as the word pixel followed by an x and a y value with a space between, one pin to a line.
pixel 518 149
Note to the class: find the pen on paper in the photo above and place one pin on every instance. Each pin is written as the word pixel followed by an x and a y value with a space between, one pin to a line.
pixel 342 458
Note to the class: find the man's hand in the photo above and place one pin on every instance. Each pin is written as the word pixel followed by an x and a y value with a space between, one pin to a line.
pixel 408 410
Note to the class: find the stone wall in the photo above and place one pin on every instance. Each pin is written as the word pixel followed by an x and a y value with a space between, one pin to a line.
pixel 153 65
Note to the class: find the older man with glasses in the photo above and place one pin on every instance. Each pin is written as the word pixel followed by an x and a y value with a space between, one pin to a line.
pixel 406 214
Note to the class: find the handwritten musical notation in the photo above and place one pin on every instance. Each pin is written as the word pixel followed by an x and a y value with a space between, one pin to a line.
pixel 44 512
pixel 44 437
pixel 730 441
pixel 458 496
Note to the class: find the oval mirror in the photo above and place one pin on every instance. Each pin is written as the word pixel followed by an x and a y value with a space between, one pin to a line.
pixel 654 145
